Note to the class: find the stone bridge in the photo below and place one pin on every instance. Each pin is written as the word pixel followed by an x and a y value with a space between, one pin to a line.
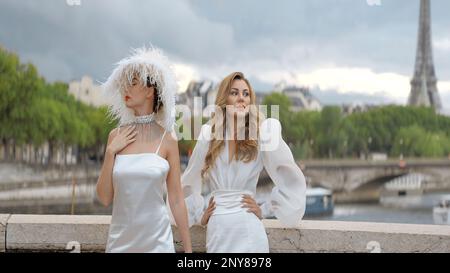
pixel 348 175
pixel 368 177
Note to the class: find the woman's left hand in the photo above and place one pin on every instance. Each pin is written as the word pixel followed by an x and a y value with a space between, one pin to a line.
pixel 250 203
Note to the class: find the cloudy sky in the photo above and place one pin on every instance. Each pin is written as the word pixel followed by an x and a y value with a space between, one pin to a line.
pixel 345 50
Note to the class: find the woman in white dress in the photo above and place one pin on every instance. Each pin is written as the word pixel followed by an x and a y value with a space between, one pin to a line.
pixel 141 157
pixel 228 168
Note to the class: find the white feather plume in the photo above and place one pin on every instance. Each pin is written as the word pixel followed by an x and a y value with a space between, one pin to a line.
pixel 146 62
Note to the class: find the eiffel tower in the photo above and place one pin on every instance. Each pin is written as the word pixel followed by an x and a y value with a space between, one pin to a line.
pixel 423 84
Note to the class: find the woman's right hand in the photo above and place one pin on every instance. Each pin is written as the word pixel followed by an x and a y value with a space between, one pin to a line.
pixel 122 140
pixel 209 211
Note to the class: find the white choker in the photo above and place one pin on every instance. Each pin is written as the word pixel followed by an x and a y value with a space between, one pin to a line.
pixel 144 119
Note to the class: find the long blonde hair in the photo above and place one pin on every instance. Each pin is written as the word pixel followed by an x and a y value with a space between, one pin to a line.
pixel 247 149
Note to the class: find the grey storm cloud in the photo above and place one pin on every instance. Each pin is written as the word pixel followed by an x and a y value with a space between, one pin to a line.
pixel 70 41
pixel 346 32
pixel 67 42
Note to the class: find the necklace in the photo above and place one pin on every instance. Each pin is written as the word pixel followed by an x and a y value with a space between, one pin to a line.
pixel 144 119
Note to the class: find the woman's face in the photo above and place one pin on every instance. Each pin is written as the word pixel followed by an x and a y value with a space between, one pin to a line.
pixel 238 100
pixel 136 94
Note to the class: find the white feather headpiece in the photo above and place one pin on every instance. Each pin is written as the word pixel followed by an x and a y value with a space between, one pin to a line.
pixel 147 63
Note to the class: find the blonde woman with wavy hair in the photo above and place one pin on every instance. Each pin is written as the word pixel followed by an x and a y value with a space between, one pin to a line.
pixel 231 151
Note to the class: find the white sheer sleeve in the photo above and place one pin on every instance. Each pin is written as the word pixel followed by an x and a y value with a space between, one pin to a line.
pixel 288 197
pixel 191 179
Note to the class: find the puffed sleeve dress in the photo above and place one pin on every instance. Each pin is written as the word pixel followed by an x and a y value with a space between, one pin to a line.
pixel 231 228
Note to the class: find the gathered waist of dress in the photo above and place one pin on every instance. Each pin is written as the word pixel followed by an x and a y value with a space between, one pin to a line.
pixel 229 201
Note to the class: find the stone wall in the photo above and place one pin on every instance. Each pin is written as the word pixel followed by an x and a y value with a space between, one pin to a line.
pixel 88 233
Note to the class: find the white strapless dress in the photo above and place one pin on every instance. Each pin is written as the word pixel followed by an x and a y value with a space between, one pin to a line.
pixel 140 220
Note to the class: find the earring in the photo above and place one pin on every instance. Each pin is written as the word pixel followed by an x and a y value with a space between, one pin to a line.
pixel 157 103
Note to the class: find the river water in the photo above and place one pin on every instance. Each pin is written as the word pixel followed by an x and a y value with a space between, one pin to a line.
pixel 414 210
pixel 418 210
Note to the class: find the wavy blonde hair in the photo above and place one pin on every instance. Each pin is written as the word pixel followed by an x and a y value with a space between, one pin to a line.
pixel 246 149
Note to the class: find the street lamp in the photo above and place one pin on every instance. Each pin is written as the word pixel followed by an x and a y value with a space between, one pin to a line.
pixel 369 141
pixel 401 148
pixel 345 148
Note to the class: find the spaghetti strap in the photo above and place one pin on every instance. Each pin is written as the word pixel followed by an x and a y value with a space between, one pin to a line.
pixel 162 138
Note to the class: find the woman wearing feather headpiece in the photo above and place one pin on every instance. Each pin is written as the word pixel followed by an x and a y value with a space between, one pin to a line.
pixel 141 158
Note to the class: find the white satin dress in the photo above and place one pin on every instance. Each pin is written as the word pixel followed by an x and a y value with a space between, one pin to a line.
pixel 231 228
pixel 140 221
